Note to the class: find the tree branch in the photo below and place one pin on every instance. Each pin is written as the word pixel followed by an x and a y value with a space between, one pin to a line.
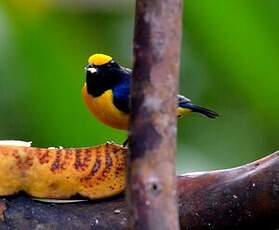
pixel 246 197
pixel 151 175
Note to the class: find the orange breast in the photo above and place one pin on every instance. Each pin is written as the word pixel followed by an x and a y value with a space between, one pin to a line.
pixel 104 110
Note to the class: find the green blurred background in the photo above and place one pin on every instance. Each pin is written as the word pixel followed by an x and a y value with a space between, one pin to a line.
pixel 230 63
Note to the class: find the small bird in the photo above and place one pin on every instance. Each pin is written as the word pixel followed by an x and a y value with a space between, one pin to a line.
pixel 107 89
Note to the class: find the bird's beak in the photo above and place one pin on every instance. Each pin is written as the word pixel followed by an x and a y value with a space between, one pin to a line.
pixel 91 69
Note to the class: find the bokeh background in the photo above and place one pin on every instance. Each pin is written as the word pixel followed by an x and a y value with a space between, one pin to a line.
pixel 230 63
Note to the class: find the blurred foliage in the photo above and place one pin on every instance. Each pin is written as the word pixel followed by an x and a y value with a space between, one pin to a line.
pixel 229 63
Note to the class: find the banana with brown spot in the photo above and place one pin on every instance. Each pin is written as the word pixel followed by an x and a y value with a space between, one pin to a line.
pixel 95 172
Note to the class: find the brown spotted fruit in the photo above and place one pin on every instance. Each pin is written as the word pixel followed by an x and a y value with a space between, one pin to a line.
pixel 95 172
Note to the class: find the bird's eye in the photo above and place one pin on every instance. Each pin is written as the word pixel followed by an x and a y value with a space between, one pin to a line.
pixel 112 64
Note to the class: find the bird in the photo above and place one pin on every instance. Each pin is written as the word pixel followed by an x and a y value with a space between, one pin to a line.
pixel 106 93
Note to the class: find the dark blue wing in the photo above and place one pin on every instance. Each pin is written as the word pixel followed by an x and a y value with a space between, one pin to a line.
pixel 121 94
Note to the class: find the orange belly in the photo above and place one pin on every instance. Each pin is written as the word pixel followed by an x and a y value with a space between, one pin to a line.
pixel 105 111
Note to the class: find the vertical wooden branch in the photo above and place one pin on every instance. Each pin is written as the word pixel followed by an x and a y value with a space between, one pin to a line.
pixel 151 177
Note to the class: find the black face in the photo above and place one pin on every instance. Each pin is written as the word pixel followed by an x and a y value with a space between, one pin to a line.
pixel 102 78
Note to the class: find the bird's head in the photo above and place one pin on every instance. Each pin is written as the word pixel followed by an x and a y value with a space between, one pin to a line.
pixel 102 73
pixel 100 64
pixel 98 60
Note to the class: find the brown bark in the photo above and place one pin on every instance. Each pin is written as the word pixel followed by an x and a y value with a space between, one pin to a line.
pixel 246 197
pixel 238 198
pixel 151 177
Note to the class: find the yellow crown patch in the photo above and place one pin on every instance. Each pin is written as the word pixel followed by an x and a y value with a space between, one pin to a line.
pixel 99 59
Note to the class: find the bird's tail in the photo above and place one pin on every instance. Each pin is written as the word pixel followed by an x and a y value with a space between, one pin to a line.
pixel 198 109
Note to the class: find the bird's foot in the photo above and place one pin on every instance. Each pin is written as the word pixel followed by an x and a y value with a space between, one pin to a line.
pixel 125 143
pixel 110 142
